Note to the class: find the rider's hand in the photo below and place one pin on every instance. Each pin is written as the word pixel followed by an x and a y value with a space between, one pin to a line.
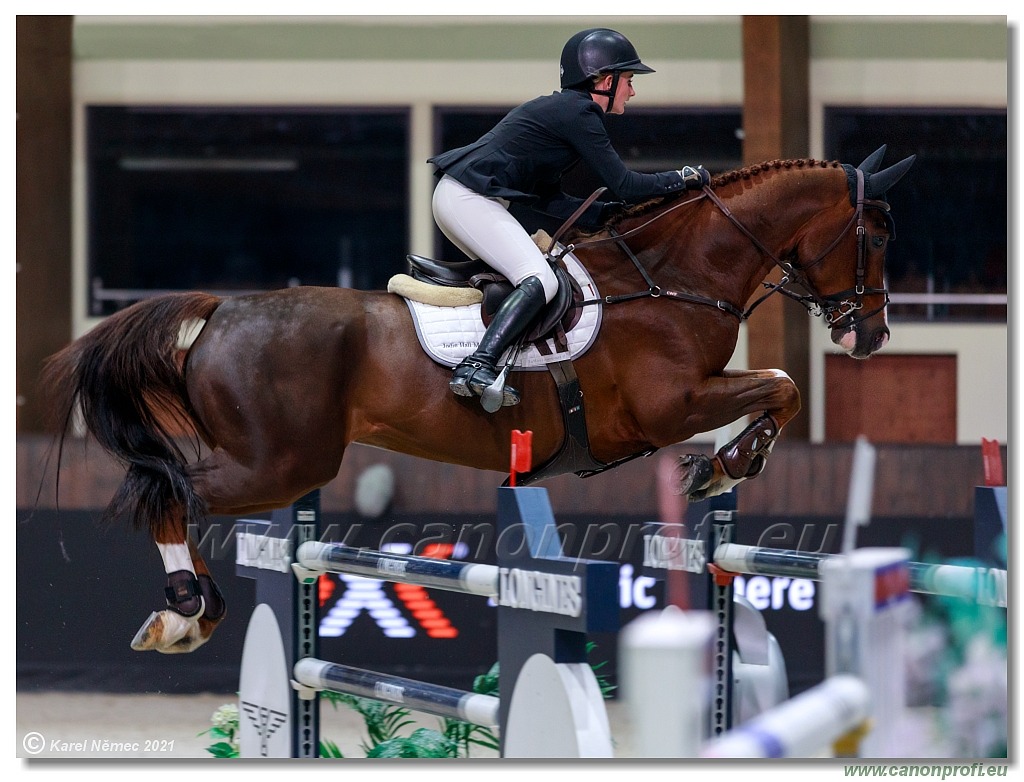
pixel 694 178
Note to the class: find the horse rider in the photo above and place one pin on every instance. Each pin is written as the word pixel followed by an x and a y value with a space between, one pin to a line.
pixel 521 160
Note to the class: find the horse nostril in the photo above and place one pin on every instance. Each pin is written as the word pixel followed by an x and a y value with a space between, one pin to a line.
pixel 881 338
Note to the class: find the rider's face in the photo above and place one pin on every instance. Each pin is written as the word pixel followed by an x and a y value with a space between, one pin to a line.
pixel 624 91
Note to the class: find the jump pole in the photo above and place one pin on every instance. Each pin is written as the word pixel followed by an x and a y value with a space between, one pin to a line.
pixel 983 585
pixel 449 702
pixel 800 727
pixel 464 577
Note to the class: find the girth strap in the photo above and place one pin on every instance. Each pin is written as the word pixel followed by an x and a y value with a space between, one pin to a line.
pixel 574 456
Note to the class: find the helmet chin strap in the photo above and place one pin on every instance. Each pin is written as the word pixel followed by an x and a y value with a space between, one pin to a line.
pixel 610 92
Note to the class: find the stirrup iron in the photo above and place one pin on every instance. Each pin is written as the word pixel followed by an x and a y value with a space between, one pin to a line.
pixel 493 397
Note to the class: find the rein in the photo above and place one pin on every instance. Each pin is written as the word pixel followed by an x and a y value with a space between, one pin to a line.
pixel 834 307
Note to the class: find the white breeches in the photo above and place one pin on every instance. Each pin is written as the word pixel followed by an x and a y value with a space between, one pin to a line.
pixel 483 228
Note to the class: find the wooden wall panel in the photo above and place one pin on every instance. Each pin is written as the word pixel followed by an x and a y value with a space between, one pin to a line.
pixel 891 398
pixel 930 481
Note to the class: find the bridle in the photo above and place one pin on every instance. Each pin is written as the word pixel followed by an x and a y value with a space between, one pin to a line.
pixel 840 310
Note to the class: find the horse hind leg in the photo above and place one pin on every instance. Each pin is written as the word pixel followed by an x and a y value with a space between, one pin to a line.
pixel 195 605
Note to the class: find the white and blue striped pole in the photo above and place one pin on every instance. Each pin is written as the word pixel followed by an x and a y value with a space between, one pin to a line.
pixel 983 585
pixel 801 727
pixel 467 578
pixel 448 702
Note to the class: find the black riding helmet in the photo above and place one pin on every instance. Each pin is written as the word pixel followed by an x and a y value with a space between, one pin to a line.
pixel 595 51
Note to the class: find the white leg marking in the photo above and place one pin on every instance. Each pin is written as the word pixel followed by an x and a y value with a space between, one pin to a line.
pixel 175 557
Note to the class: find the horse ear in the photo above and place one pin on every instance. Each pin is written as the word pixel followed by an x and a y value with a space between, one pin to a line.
pixel 876 185
pixel 872 161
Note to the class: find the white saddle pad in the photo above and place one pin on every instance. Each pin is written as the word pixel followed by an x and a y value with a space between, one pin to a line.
pixel 449 334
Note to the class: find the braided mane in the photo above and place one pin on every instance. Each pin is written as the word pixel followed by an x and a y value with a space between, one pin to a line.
pixel 727 178
pixel 761 168
pixel 721 180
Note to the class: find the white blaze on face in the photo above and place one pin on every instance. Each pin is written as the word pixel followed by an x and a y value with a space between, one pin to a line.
pixel 885 321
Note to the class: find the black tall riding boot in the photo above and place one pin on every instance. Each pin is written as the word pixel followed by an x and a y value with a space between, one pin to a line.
pixel 478 371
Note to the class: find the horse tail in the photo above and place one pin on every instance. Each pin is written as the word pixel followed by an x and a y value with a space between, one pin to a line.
pixel 125 379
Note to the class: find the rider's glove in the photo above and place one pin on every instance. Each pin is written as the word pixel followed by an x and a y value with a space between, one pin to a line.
pixel 694 178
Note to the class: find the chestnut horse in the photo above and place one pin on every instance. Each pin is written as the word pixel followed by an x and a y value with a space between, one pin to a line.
pixel 277 384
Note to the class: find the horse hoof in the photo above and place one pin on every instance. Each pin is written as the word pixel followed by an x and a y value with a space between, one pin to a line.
pixel 696 472
pixel 168 632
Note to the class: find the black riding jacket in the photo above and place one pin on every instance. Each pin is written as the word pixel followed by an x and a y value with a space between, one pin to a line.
pixel 522 159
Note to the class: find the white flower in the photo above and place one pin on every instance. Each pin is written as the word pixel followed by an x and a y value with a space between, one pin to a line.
pixel 226 716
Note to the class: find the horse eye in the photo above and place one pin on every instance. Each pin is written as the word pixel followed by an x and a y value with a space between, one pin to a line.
pixel 877 241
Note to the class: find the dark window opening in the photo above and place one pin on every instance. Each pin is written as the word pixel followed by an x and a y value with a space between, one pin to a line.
pixel 950 208
pixel 239 199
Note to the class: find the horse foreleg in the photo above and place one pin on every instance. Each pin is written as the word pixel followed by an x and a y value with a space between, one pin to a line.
pixel 195 605
pixel 735 394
